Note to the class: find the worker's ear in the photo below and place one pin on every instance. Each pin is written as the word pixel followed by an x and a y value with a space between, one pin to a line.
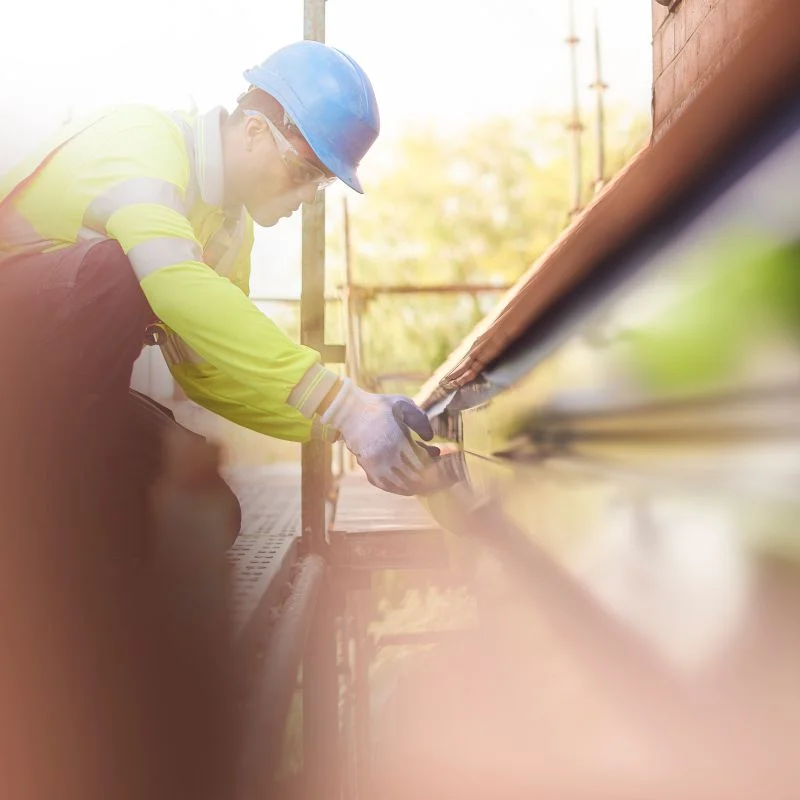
pixel 252 131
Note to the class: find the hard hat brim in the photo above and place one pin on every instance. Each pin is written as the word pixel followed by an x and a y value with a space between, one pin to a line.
pixel 336 166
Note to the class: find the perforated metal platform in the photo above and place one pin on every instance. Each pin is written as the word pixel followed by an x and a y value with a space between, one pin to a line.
pixel 371 530
pixel 267 547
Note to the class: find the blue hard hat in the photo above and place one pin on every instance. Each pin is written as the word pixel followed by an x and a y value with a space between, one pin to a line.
pixel 328 97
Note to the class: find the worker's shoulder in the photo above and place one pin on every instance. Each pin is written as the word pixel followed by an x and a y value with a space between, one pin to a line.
pixel 139 118
pixel 141 134
pixel 128 141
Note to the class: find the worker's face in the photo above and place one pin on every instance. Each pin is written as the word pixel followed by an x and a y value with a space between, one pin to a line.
pixel 280 173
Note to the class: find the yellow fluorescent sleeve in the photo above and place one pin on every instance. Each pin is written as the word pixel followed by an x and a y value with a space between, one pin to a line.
pixel 212 389
pixel 221 325
pixel 135 224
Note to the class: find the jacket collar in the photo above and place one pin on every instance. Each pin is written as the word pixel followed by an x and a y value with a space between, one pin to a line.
pixel 208 163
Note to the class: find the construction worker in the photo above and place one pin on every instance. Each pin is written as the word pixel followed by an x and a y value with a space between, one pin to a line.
pixel 135 226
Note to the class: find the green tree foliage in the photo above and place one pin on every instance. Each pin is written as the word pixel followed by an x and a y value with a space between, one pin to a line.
pixel 477 207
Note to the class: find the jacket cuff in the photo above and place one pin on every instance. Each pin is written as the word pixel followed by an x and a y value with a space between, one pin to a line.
pixel 312 389
pixel 327 433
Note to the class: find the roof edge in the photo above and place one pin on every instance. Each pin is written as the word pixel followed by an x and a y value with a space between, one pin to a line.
pixel 766 64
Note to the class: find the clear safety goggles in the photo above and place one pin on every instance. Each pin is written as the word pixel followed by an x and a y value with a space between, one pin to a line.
pixel 300 169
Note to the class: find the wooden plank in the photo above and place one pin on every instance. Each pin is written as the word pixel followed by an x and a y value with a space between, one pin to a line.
pixel 363 508
pixel 373 529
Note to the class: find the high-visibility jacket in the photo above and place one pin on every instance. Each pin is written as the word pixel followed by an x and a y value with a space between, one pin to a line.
pixel 154 182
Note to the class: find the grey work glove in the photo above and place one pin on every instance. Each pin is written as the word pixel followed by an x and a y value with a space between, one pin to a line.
pixel 375 428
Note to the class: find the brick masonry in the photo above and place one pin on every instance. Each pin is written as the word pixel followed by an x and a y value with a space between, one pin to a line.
pixel 691 41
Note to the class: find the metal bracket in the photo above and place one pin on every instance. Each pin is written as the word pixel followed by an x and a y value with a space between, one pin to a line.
pixel 333 353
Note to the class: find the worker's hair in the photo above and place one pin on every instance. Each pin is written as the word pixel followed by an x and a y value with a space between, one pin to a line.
pixel 257 100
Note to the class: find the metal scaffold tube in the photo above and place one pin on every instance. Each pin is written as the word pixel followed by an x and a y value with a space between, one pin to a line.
pixel 320 679
pixel 277 681
pixel 575 126
pixel 599 87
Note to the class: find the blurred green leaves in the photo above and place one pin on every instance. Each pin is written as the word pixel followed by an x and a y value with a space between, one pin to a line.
pixel 741 296
pixel 476 207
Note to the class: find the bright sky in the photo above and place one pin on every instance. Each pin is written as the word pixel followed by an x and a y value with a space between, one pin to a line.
pixel 449 61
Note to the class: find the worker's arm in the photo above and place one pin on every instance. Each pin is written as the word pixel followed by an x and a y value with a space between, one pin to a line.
pixel 225 333
pixel 211 388
pixel 212 316
pixel 229 335
pixel 214 390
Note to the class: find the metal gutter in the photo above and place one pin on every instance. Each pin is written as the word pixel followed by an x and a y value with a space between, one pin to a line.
pixel 764 72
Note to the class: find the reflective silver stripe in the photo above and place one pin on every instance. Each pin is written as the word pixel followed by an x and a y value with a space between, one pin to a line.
pixel 310 391
pixel 163 251
pixel 134 190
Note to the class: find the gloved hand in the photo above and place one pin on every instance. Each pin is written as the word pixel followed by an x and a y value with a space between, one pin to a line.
pixel 375 428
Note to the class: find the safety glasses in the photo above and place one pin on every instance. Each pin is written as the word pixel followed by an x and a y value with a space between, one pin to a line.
pixel 300 169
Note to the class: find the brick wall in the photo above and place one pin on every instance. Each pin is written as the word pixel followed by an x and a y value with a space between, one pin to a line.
pixel 691 40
